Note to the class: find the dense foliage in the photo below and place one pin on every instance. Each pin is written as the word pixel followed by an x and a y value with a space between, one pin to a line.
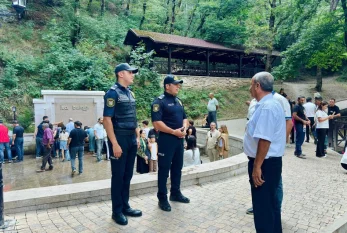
pixel 74 44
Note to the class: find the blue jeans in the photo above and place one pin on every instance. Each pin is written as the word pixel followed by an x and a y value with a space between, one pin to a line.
pixel 39 147
pixel 279 197
pixel 8 149
pixel 91 143
pixel 73 152
pixel 300 137
pixel 212 117
pixel 19 145
pixel 99 145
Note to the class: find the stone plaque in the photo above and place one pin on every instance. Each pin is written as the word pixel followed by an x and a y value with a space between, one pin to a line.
pixel 83 110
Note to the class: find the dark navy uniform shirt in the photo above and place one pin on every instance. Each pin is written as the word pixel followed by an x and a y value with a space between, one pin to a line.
pixel 168 109
pixel 119 104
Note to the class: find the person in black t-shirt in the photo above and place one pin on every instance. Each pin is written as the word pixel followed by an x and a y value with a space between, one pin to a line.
pixel 154 132
pixel 17 140
pixel 300 123
pixel 76 145
pixel 332 110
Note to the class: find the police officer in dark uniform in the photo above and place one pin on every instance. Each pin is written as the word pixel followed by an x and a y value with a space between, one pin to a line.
pixel 123 137
pixel 169 118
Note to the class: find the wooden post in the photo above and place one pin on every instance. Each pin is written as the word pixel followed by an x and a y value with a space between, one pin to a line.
pixel 169 61
pixel 207 63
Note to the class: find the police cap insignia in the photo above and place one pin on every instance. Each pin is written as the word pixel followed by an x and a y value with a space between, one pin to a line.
pixel 155 107
pixel 110 102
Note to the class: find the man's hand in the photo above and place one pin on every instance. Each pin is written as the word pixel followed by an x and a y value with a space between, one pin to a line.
pixel 117 150
pixel 256 176
pixel 180 133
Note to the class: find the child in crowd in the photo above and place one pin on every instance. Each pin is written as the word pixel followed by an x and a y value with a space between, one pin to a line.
pixel 223 142
pixel 63 137
pixel 153 147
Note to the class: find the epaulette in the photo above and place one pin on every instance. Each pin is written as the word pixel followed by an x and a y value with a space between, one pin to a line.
pixel 114 87
pixel 162 96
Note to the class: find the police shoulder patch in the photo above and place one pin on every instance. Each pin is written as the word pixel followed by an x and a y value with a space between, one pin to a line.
pixel 110 102
pixel 155 107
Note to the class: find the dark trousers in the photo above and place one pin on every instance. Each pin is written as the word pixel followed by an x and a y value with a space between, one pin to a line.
pixel 300 137
pixel 122 171
pixel 212 117
pixel 321 134
pixel 267 216
pixel 39 147
pixel 19 145
pixel 170 159
pixel 308 127
pixel 331 134
pixel 47 158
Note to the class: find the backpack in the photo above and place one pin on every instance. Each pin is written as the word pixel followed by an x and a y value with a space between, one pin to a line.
pixel 57 134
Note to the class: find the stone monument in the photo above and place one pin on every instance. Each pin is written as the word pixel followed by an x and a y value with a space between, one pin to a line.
pixel 85 106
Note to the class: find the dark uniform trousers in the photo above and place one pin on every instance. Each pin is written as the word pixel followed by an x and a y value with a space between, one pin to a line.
pixel 170 158
pixel 47 157
pixel 122 170
pixel 267 217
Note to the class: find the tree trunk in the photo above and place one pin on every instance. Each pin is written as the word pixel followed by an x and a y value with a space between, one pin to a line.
pixel 190 19
pixel 144 14
pixel 102 8
pixel 202 22
pixel 333 4
pixel 127 9
pixel 173 17
pixel 344 7
pixel 271 29
pixel 89 6
pixel 319 79
pixel 167 15
pixel 76 7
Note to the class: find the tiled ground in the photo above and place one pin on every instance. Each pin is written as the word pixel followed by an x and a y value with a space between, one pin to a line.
pixel 314 192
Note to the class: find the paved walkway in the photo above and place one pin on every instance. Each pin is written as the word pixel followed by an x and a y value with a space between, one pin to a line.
pixel 314 190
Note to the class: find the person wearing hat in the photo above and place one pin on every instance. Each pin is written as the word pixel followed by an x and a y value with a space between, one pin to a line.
pixel 121 126
pixel 169 118
pixel 75 143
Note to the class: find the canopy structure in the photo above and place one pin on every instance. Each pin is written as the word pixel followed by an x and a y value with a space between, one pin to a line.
pixel 218 60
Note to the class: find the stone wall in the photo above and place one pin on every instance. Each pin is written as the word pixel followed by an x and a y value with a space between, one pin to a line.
pixel 208 82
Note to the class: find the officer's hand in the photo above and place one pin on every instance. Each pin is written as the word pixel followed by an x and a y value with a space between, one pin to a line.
pixel 117 151
pixel 257 177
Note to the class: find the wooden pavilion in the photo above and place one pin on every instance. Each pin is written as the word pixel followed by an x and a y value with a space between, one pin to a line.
pixel 192 56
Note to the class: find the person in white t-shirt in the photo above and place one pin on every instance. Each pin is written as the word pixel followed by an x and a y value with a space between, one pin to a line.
pixel 310 110
pixel 191 156
pixel 322 127
pixel 153 147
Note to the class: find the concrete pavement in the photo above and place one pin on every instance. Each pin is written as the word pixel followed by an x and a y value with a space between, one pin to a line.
pixel 314 197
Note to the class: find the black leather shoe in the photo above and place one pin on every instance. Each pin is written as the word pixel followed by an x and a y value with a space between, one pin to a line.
pixel 120 219
pixel 164 205
pixel 132 212
pixel 179 198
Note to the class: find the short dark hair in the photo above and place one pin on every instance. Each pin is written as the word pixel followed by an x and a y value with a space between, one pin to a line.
pixel 15 122
pixel 44 117
pixel 191 122
pixel 308 99
pixel 78 123
pixel 300 97
pixel 333 99
pixel 145 122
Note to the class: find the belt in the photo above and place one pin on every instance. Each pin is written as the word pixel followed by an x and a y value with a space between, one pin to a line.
pixel 124 131
pixel 250 158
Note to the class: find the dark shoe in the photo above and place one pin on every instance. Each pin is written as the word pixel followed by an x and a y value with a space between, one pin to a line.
pixel 301 156
pixel 307 141
pixel 179 198
pixel 164 205
pixel 120 219
pixel 249 211
pixel 132 212
pixel 50 168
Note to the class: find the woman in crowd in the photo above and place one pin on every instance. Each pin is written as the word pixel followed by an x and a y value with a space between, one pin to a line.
pixel 223 142
pixel 142 155
pixel 322 127
pixel 192 154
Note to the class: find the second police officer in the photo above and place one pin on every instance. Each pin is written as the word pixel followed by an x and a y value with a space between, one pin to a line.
pixel 121 126
pixel 169 118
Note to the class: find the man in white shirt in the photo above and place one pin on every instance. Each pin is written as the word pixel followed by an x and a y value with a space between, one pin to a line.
pixel 70 126
pixel 310 110
pixel 264 144
pixel 211 140
pixel 99 138
pixel 212 108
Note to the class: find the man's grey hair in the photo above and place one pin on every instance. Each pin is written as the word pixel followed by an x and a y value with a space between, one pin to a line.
pixel 45 125
pixel 266 81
